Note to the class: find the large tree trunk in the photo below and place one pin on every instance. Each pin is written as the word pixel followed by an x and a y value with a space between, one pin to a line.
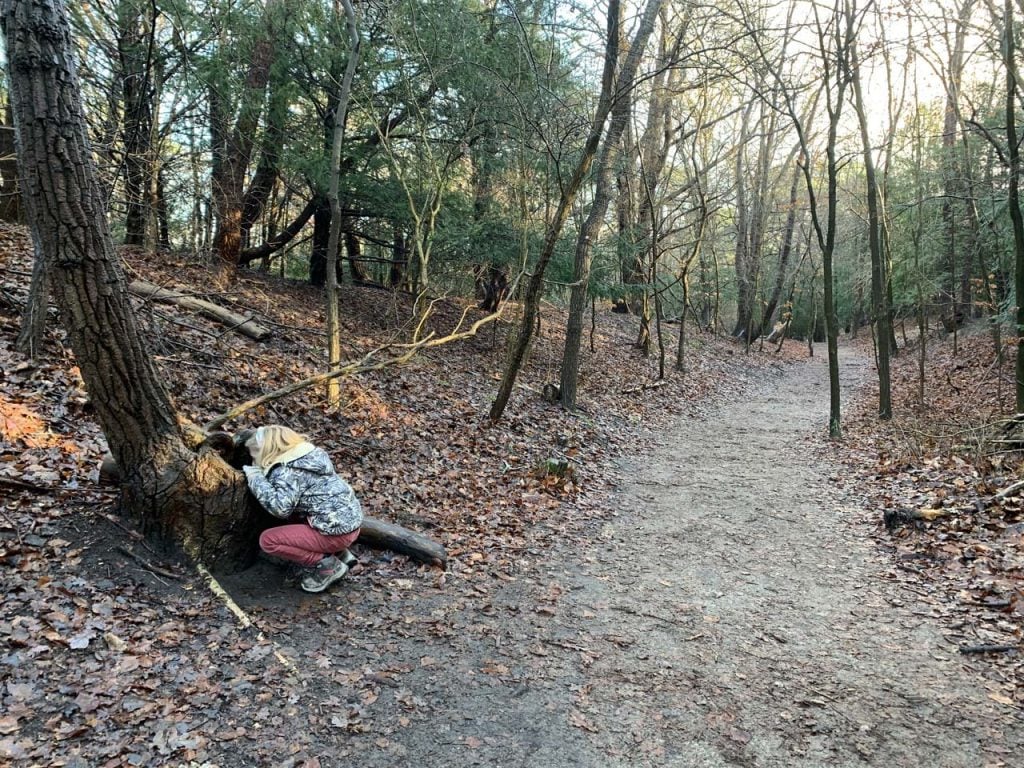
pixel 194 498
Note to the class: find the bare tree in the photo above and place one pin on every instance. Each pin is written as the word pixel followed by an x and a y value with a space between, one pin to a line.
pixel 879 274
pixel 535 287
pixel 834 32
pixel 331 292
pixel 620 114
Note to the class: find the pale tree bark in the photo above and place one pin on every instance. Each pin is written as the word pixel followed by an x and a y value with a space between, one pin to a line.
pixel 331 288
pixel 179 495
pixel 620 114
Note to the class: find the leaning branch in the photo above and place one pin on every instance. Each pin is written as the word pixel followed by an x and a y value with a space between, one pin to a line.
pixel 369 362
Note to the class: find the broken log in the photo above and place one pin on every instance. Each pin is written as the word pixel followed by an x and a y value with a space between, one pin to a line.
pixel 233 320
pixel 374 533
pixel 380 535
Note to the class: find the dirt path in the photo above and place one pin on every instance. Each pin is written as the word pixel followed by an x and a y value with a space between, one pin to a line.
pixel 732 613
pixel 756 628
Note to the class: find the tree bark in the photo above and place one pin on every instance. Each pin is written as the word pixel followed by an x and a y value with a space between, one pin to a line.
pixel 135 53
pixel 179 495
pixel 620 113
pixel 1013 191
pixel 33 320
pixel 10 194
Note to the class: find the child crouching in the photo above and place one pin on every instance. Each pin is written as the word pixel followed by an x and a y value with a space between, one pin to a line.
pixel 295 480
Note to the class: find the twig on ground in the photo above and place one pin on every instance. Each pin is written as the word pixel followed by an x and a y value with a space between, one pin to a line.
pixel 14 527
pixel 644 614
pixel 135 535
pixel 244 619
pixel 148 565
pixel 49 489
pixel 43 489
pixel 988 648
pixel 645 386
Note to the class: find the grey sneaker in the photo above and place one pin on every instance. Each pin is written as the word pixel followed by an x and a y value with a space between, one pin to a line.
pixel 323 574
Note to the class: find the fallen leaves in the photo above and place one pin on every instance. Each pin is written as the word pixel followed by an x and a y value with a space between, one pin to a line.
pixel 115 665
pixel 950 502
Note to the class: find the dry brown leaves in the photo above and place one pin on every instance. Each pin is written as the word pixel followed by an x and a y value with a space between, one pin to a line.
pixel 936 470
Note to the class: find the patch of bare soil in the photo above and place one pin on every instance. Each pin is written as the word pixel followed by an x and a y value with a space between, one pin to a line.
pixel 753 622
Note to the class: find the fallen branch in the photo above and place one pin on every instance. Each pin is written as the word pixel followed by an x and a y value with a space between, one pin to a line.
pixel 234 321
pixel 11 482
pixel 148 565
pixel 380 535
pixel 365 364
pixel 244 619
pixel 988 648
pixel 1007 492
pixel 47 489
pixel 645 386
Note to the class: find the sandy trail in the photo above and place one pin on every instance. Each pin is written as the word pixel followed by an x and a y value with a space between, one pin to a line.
pixel 756 628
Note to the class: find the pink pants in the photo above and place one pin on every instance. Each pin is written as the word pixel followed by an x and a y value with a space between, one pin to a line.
pixel 300 543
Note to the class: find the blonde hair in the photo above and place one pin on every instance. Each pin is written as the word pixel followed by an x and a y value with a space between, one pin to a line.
pixel 271 441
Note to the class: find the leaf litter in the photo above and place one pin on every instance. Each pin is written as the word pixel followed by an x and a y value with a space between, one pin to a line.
pixel 127 660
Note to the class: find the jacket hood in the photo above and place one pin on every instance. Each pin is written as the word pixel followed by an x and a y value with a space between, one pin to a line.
pixel 316 461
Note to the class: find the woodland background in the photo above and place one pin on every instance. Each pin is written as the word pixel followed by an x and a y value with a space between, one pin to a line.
pixel 437 206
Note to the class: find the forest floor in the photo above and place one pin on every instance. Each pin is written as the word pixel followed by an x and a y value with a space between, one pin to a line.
pixel 710 585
